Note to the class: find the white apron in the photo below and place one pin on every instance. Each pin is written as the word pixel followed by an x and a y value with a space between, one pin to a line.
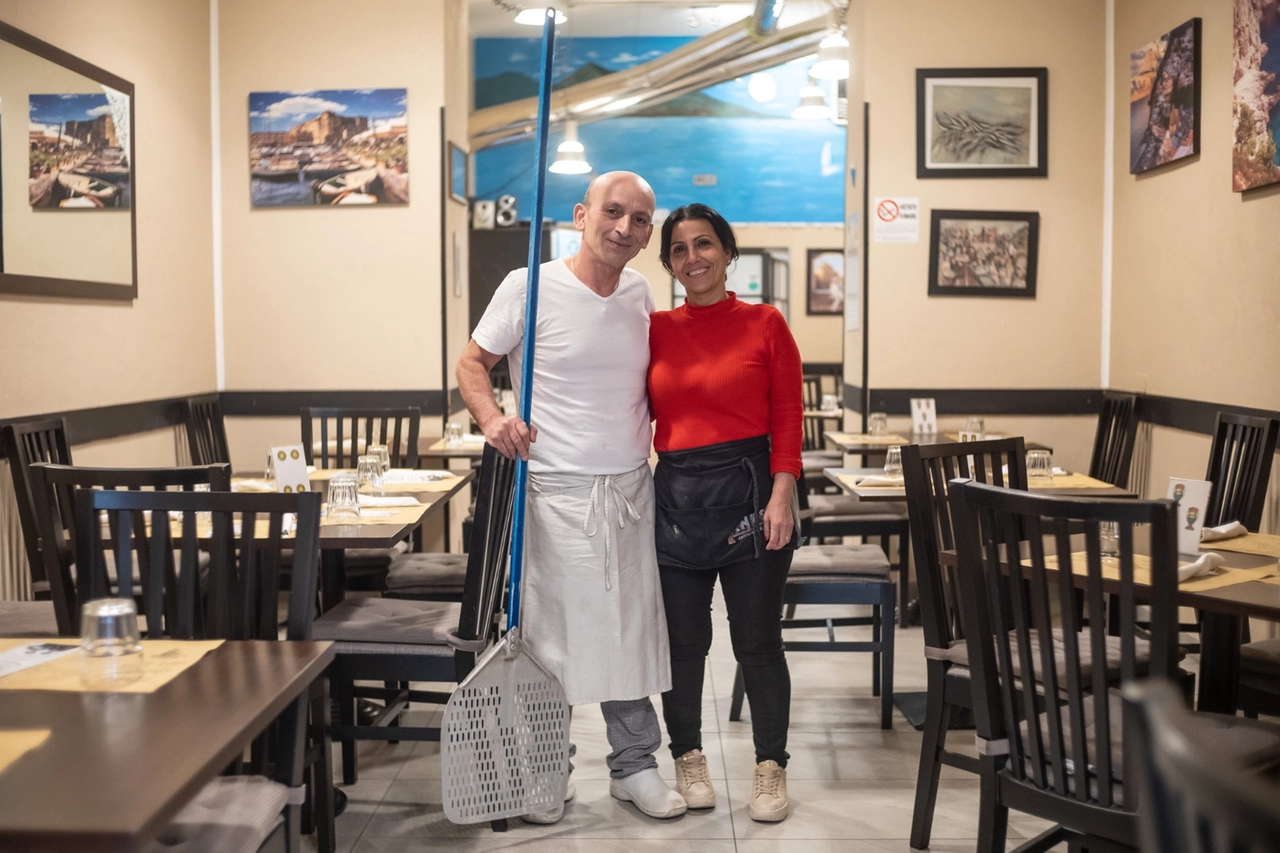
pixel 592 609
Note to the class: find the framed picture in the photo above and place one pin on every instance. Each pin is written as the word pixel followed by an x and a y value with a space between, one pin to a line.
pixel 1164 99
pixel 457 174
pixel 983 253
pixel 824 293
pixel 982 122
pixel 1253 150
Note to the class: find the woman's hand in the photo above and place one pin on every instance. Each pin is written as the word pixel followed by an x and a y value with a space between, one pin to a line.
pixel 778 521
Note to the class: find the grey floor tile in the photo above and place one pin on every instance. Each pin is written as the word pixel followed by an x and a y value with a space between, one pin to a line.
pixel 837 755
pixel 502 841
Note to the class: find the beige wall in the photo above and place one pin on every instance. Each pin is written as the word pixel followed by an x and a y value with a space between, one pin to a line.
pixel 70 354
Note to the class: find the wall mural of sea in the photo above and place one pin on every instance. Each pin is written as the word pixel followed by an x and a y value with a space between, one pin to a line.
pixel 767 167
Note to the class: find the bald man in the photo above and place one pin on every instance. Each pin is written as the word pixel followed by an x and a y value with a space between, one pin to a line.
pixel 592 610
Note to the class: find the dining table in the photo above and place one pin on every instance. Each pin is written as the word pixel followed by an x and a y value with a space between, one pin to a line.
pixel 107 771
pixel 879 488
pixel 470 447
pixel 865 444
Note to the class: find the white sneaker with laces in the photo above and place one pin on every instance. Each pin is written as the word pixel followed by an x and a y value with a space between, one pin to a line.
pixel 693 782
pixel 650 794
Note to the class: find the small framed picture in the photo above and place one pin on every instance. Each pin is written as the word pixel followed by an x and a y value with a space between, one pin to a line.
pixel 1164 99
pixel 982 122
pixel 457 174
pixel 825 291
pixel 983 253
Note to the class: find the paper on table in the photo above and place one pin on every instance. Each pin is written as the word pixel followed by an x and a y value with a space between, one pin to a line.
pixel 15 743
pixel 1230 530
pixel 879 480
pixel 864 438
pixel 410 475
pixel 162 661
pixel 1262 544
pixel 375 500
pixel 248 484
pixel 34 653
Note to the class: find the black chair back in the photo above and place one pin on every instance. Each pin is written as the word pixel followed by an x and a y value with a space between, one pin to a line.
pixel 244 537
pixel 206 431
pixel 345 433
pixel 1239 468
pixel 926 472
pixel 24 445
pixel 1113 442
pixel 1063 754
pixel 1191 801
pixel 53 491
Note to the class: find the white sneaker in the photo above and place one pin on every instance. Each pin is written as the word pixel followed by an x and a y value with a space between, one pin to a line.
pixel 650 794
pixel 547 817
pixel 693 782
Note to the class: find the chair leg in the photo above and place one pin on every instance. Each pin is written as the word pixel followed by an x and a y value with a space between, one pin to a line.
pixel 993 818
pixel 321 773
pixel 904 577
pixel 877 616
pixel 937 717
pixel 739 692
pixel 346 702
pixel 886 658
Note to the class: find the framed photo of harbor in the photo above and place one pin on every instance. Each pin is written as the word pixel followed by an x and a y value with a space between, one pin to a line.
pixel 983 253
pixel 328 147
pixel 982 122
pixel 79 151
pixel 457 174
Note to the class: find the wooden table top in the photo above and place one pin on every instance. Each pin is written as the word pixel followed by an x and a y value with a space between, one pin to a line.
pixel 849 443
pixel 438 450
pixel 886 494
pixel 118 766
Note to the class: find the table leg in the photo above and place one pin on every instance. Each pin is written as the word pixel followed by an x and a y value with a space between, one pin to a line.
pixel 1219 663
pixel 333 578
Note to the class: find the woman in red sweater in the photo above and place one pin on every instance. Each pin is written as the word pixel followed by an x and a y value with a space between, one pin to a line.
pixel 725 390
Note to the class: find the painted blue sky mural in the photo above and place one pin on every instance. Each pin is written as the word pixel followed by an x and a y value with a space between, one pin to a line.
pixel 768 167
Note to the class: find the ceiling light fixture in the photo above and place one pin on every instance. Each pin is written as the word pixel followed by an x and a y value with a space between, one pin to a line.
pixel 813 104
pixel 621 105
pixel 591 104
pixel 571 157
pixel 535 17
pixel 833 58
pixel 762 87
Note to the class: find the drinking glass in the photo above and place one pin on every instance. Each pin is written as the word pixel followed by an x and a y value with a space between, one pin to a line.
pixel 384 455
pixel 893 462
pixel 452 434
pixel 269 473
pixel 830 403
pixel 204 519
pixel 110 645
pixel 369 475
pixel 877 423
pixel 344 498
pixel 977 426
pixel 1109 539
pixel 1039 465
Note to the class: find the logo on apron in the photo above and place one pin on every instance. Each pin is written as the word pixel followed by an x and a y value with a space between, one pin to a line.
pixel 744 528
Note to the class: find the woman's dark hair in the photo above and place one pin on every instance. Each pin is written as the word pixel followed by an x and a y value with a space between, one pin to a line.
pixel 697 211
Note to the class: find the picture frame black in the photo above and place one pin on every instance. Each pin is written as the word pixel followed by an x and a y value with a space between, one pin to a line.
pixel 1174 121
pixel 458 170
pixel 977 123
pixel 968 257
pixel 824 282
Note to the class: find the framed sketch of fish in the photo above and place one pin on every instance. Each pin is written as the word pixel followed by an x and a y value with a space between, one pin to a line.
pixel 1164 99
pixel 982 122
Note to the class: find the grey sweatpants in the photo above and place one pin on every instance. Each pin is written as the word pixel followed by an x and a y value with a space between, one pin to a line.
pixel 634 734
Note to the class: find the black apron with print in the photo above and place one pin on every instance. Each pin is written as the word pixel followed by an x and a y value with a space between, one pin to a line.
pixel 710 504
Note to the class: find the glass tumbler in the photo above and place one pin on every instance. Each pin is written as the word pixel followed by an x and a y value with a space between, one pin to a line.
pixel 369 475
pixel 1039 466
pixel 110 645
pixel 977 426
pixel 452 434
pixel 830 403
pixel 877 423
pixel 384 455
pixel 344 498
pixel 893 462
pixel 1109 539
pixel 269 473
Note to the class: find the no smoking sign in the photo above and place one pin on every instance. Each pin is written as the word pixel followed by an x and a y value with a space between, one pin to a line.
pixel 897 220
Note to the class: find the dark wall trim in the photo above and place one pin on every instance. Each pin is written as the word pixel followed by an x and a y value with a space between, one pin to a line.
pixel 103 422
pixel 290 403
pixel 1191 415
pixel 991 401
pixel 822 368
pixel 853 398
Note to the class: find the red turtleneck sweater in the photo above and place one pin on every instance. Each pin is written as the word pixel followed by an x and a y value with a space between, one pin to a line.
pixel 725 372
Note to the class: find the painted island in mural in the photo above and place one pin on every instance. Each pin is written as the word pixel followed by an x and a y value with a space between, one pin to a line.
pixel 329 146
pixel 79 151
pixel 743 155
pixel 1254 159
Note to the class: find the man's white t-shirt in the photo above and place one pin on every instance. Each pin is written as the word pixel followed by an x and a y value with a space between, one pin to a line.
pixel 590 402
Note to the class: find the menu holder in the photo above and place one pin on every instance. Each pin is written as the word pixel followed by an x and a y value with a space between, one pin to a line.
pixel 1192 497
pixel 290 464
pixel 924 416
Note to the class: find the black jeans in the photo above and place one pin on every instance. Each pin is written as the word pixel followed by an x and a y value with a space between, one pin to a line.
pixel 753 596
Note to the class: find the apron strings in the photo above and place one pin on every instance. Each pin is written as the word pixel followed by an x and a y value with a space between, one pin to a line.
pixel 602 489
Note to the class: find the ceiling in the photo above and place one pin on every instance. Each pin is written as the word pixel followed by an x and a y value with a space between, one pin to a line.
pixel 496 18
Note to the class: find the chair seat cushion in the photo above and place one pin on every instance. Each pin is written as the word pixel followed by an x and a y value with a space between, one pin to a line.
pixel 388 620
pixel 373 558
pixel 427 573
pixel 831 507
pixel 813 461
pixel 27 619
pixel 231 814
pixel 959 654
pixel 841 560
pixel 1261 659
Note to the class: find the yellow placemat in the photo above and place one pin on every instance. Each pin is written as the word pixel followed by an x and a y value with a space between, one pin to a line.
pixel 397 515
pixel 467 444
pixel 863 438
pixel 15 743
pixel 317 477
pixel 1262 544
pixel 851 481
pixel 1272 580
pixel 1222 576
pixel 442 485
pixel 1068 481
pixel 162 661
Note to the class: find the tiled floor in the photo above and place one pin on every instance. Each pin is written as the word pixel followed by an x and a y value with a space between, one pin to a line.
pixel 851 784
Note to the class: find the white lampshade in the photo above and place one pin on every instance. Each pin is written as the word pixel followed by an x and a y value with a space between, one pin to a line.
pixel 571 157
pixel 813 105
pixel 833 59
pixel 535 17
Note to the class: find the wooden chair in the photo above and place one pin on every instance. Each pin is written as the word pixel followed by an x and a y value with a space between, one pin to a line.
pixel 345 433
pixel 206 430
pixel 235 601
pixel 1193 801
pixel 396 641
pixel 1113 442
pixel 837 516
pixel 25 444
pixel 53 488
pixel 927 470
pixel 1051 734
pixel 839 574
pixel 1240 468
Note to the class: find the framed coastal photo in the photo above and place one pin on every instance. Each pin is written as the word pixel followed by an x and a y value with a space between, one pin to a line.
pixel 983 253
pixel 982 122
pixel 825 284
pixel 1164 99
pixel 457 174
pixel 1255 158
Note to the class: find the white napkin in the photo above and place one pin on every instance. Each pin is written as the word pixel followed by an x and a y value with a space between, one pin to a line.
pixel 253 486
pixel 376 500
pixel 879 480
pixel 1203 566
pixel 409 475
pixel 1230 530
pixel 472 438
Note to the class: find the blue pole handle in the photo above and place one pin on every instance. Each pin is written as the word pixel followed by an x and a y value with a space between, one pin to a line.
pixel 531 310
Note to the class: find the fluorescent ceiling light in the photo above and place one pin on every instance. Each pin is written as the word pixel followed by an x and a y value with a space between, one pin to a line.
pixel 622 105
pixel 591 104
